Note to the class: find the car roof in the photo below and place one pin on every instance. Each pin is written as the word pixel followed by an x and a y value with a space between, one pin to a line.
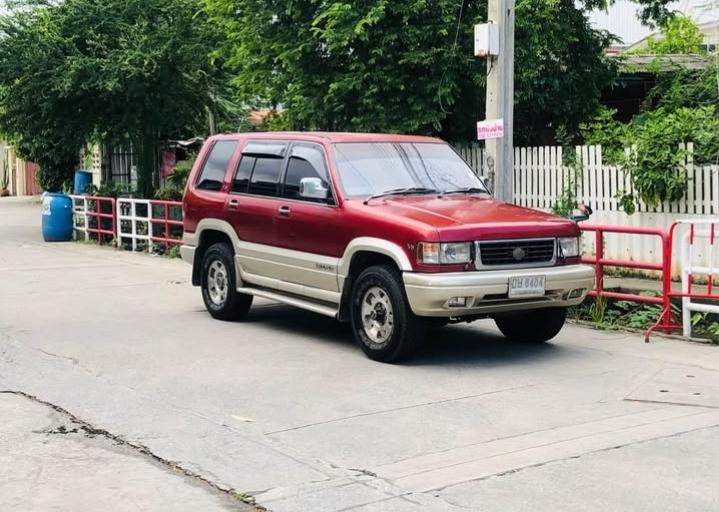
pixel 331 137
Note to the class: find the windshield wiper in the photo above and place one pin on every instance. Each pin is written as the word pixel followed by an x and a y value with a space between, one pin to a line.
pixel 467 190
pixel 400 192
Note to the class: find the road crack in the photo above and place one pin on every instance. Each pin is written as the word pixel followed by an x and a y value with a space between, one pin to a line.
pixel 92 431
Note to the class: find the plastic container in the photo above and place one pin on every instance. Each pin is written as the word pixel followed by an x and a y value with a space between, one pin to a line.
pixel 56 217
pixel 83 179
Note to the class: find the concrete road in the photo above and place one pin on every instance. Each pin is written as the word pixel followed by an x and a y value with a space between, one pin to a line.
pixel 51 461
pixel 283 408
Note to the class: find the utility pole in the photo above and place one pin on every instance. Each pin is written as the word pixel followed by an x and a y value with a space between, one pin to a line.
pixel 500 100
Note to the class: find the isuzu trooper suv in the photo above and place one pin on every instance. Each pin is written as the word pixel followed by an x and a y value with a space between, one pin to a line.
pixel 394 234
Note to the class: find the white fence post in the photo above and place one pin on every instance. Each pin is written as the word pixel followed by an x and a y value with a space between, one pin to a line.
pixel 704 230
pixel 79 213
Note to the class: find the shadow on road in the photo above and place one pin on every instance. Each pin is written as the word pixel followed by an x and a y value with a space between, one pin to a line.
pixel 476 345
pixel 462 344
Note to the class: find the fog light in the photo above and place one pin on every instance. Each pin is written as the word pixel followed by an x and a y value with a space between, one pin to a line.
pixel 457 302
pixel 575 294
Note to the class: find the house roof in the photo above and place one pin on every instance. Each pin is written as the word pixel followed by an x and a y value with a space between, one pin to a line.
pixel 652 63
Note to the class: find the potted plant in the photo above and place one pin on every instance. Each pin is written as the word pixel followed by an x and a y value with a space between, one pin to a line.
pixel 4 191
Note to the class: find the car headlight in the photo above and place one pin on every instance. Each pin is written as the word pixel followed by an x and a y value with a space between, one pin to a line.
pixel 570 247
pixel 433 253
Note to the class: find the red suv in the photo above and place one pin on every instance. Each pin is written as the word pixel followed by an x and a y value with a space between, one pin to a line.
pixel 392 233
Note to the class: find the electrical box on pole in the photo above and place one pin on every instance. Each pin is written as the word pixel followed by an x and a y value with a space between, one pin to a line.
pixel 500 98
pixel 486 40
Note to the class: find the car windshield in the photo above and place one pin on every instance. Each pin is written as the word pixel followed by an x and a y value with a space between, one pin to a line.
pixel 376 168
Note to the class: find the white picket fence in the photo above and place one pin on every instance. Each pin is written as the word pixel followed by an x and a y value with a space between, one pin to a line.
pixel 540 178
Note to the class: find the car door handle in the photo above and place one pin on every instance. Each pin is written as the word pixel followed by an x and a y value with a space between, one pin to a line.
pixel 284 211
pixel 233 204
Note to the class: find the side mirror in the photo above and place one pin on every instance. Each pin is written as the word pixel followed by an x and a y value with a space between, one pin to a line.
pixel 581 213
pixel 578 216
pixel 313 188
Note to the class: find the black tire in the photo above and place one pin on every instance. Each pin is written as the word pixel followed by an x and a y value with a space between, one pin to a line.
pixel 535 326
pixel 235 305
pixel 401 329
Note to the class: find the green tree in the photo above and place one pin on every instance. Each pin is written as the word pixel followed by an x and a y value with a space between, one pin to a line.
pixel 682 107
pixel 407 65
pixel 560 69
pixel 136 70
pixel 40 123
pixel 679 35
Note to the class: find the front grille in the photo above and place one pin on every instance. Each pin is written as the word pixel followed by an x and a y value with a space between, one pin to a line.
pixel 517 253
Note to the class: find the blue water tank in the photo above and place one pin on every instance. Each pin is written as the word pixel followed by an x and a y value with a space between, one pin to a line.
pixel 83 179
pixel 56 217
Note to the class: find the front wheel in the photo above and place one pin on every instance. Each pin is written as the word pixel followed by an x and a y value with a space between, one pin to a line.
pixel 535 326
pixel 219 290
pixel 382 320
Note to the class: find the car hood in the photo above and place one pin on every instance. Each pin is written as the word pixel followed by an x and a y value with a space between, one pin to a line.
pixel 472 217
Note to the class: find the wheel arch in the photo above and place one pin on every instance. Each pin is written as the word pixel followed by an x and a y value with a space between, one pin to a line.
pixel 209 232
pixel 361 254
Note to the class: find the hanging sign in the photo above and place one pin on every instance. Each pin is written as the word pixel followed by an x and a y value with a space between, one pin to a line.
pixel 490 129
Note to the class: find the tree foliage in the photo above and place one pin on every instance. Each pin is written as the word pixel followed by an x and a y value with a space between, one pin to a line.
pixel 560 68
pixel 40 123
pixel 407 65
pixel 134 70
pixel 679 35
pixel 683 107
pixel 380 65
pixel 73 70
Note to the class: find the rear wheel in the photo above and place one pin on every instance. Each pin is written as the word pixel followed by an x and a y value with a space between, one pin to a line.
pixel 536 326
pixel 219 289
pixel 382 321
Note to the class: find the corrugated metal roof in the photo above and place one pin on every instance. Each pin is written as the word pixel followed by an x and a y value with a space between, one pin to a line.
pixel 649 63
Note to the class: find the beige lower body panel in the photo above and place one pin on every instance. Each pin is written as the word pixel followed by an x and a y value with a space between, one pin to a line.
pixel 246 278
pixel 310 270
pixel 188 253
pixel 428 294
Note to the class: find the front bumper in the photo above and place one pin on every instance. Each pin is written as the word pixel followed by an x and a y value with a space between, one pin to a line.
pixel 429 294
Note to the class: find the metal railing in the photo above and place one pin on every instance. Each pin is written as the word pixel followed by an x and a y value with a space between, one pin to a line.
pixel 94 217
pixel 666 322
pixel 699 230
pixel 147 224
pixel 695 230
pixel 167 221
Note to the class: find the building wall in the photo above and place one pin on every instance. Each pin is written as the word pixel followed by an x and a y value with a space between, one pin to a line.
pixel 621 18
pixel 22 175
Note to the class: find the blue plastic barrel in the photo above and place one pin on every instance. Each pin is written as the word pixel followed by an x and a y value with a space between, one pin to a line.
pixel 83 179
pixel 56 217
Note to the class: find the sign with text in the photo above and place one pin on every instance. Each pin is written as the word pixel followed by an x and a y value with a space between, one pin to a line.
pixel 490 129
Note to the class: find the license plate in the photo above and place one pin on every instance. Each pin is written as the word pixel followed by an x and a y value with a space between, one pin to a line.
pixel 527 286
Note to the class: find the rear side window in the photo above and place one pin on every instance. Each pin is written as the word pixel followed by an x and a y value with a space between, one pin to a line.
pixel 266 176
pixel 244 171
pixel 213 172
